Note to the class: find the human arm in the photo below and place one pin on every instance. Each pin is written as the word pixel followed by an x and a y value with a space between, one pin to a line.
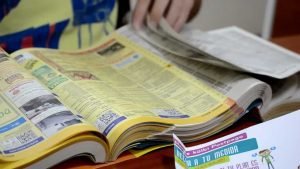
pixel 176 12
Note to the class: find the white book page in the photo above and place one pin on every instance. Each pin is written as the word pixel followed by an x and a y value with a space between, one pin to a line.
pixel 248 52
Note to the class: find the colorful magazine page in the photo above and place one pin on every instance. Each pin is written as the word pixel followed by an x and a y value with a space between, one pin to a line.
pixel 270 145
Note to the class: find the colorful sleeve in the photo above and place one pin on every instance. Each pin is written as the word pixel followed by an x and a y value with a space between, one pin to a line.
pixel 6 6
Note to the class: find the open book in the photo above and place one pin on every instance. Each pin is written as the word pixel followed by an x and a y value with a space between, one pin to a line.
pixel 235 49
pixel 121 94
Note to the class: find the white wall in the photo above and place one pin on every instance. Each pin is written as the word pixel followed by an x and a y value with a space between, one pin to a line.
pixel 253 15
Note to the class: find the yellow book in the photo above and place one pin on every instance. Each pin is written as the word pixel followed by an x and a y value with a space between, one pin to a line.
pixel 115 96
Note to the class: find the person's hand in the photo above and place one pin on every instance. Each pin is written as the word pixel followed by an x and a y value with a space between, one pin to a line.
pixel 176 12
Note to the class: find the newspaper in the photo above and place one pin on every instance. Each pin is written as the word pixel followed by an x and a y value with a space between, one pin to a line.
pixel 231 47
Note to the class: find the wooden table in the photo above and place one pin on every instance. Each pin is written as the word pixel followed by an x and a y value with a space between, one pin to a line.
pixel 164 158
pixel 289 42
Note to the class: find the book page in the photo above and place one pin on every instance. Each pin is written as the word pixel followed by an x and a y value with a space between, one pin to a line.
pixel 16 132
pixel 254 147
pixel 252 53
pixel 243 50
pixel 178 47
pixel 30 114
pixel 226 81
pixel 286 97
pixel 117 85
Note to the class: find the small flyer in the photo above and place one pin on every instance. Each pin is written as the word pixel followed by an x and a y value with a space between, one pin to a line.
pixel 274 144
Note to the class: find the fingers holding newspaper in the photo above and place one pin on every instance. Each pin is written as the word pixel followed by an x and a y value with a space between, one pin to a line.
pixel 176 12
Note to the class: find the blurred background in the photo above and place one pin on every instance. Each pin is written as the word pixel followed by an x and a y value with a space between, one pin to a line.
pixel 266 18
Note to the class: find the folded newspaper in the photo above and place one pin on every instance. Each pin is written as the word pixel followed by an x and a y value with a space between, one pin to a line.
pixel 256 147
pixel 230 47
pixel 121 94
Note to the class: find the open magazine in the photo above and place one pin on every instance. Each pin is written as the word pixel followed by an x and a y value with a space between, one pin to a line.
pixel 254 147
pixel 121 94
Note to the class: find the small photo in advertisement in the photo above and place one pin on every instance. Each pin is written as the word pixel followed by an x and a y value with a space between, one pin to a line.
pixel 54 123
pixel 38 105
pixel 112 49
pixel 3 57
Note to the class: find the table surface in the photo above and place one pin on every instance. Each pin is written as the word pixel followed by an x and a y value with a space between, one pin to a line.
pixel 164 158
pixel 289 42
